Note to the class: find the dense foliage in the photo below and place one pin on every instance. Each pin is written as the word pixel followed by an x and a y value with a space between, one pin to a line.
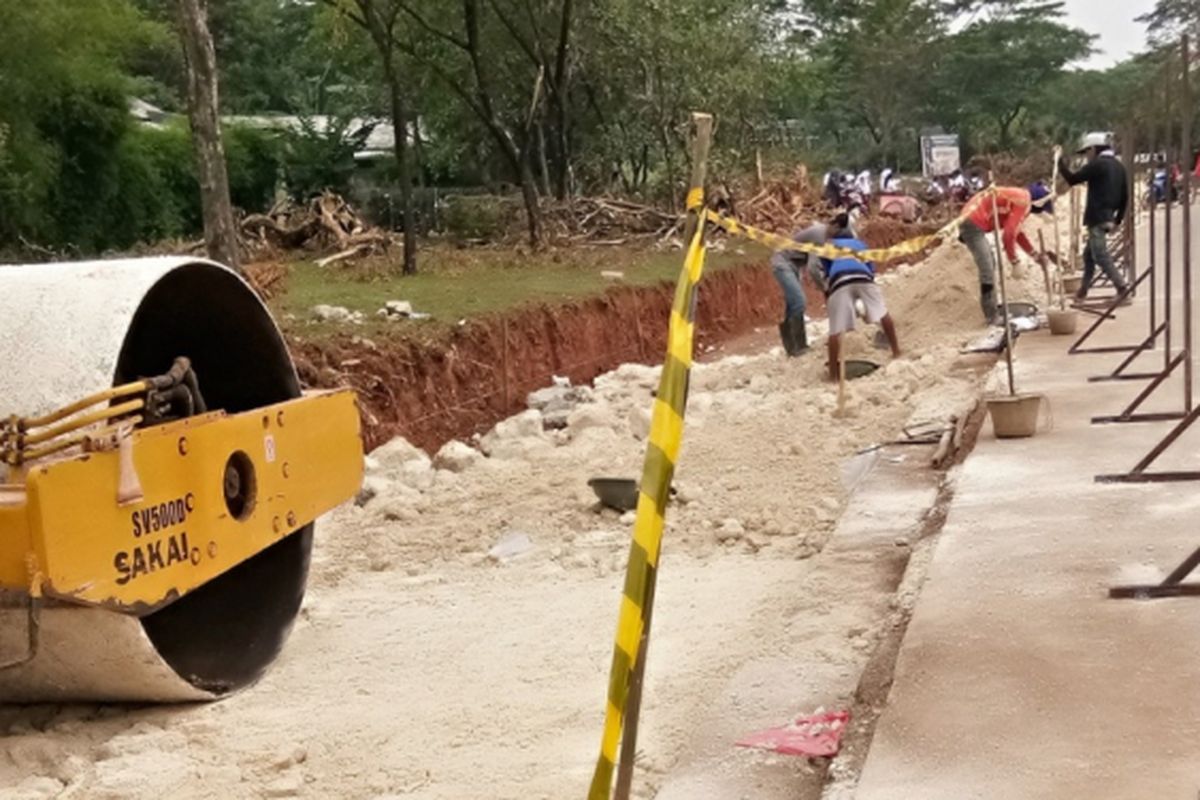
pixel 548 96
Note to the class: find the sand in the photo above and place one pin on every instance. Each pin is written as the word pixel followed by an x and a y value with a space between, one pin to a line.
pixel 456 636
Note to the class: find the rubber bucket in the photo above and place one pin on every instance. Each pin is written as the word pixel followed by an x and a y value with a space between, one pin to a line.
pixel 1071 283
pixel 1063 322
pixel 1015 417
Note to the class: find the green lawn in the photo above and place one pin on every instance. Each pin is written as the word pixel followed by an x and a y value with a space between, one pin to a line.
pixel 454 284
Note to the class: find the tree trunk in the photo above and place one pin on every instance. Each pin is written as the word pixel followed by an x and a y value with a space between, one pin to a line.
pixel 403 161
pixel 562 93
pixel 220 230
pixel 543 164
pixel 529 194
pixel 418 151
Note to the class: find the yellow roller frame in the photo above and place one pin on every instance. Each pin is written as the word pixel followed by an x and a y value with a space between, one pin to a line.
pixel 65 535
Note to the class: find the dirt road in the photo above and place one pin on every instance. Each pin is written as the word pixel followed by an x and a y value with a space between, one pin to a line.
pixel 457 634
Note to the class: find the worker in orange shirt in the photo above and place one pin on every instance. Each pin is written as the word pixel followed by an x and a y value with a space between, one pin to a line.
pixel 1014 205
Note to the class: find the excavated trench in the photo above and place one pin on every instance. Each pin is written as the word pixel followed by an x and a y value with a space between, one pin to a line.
pixel 430 392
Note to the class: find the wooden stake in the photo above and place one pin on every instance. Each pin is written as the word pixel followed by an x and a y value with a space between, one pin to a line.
pixel 702 125
pixel 1058 263
pixel 1008 340
pixel 841 406
pixel 1045 269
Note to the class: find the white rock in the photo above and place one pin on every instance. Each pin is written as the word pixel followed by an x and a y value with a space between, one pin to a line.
pixel 592 440
pixel 418 474
pixel 456 456
pixel 639 422
pixel 730 530
pixel 374 486
pixel 686 493
pixel 526 425
pixel 399 308
pixel 511 546
pixel 526 449
pixel 592 415
pixel 392 456
pixel 550 396
pixel 328 313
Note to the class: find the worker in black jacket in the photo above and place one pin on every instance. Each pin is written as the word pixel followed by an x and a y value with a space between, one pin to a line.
pixel 1107 201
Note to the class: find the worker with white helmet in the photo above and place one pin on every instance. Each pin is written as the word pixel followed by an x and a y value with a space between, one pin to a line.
pixel 1107 202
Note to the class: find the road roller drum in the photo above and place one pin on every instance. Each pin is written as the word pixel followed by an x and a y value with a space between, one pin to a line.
pixel 162 471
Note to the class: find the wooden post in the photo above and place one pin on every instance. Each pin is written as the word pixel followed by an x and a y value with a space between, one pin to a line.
pixel 1058 264
pixel 1185 147
pixel 1045 269
pixel 1008 339
pixel 702 125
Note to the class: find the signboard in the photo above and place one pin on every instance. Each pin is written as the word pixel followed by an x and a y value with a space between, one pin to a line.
pixel 940 155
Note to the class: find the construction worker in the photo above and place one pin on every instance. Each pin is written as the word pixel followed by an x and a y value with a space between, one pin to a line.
pixel 788 267
pixel 1107 202
pixel 1013 205
pixel 849 281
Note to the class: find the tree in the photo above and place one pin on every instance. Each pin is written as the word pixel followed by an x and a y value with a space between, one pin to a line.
pixel 458 44
pixel 995 66
pixel 1171 18
pixel 65 75
pixel 381 21
pixel 220 230
pixel 879 60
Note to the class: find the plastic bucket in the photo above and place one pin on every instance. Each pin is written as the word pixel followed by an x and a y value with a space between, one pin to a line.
pixel 1015 417
pixel 1071 283
pixel 1063 322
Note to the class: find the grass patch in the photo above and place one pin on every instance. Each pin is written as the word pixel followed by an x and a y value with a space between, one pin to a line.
pixel 454 284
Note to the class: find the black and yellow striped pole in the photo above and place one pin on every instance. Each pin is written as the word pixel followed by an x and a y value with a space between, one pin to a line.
pixel 666 435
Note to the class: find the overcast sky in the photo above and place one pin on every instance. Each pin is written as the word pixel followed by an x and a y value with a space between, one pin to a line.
pixel 1120 36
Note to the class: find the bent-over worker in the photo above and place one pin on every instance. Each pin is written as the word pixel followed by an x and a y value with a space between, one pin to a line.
pixel 849 280
pixel 1107 202
pixel 788 267
pixel 1013 205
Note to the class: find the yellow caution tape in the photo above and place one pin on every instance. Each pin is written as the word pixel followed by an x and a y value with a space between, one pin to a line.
pixel 662 451
pixel 776 242
pixel 666 436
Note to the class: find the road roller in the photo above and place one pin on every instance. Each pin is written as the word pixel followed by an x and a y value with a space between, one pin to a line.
pixel 161 474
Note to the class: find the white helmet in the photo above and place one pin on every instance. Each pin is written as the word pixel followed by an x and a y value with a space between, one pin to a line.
pixel 1101 141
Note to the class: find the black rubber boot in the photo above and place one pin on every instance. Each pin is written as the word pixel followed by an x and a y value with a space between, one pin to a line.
pixel 794 335
pixel 987 303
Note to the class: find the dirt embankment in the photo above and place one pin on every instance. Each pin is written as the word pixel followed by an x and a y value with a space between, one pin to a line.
pixel 431 392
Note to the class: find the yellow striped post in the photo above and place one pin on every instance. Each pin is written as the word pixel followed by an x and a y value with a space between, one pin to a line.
pixel 662 451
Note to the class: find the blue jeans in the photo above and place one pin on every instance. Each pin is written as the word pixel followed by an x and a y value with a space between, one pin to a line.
pixel 788 277
pixel 1095 255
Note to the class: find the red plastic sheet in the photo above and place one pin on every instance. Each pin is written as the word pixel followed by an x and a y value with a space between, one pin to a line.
pixel 819 735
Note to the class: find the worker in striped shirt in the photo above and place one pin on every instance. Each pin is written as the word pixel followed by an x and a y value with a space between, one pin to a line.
pixel 849 281
pixel 1012 204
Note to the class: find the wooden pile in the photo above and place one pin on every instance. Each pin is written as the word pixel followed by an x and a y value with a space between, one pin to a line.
pixel 325 223
pixel 607 221
pixel 776 205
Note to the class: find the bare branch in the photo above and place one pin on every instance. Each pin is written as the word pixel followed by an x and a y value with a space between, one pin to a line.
pixel 430 27
pixel 346 12
pixel 515 34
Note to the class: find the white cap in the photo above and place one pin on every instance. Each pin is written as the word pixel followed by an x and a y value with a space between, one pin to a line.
pixel 1099 140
